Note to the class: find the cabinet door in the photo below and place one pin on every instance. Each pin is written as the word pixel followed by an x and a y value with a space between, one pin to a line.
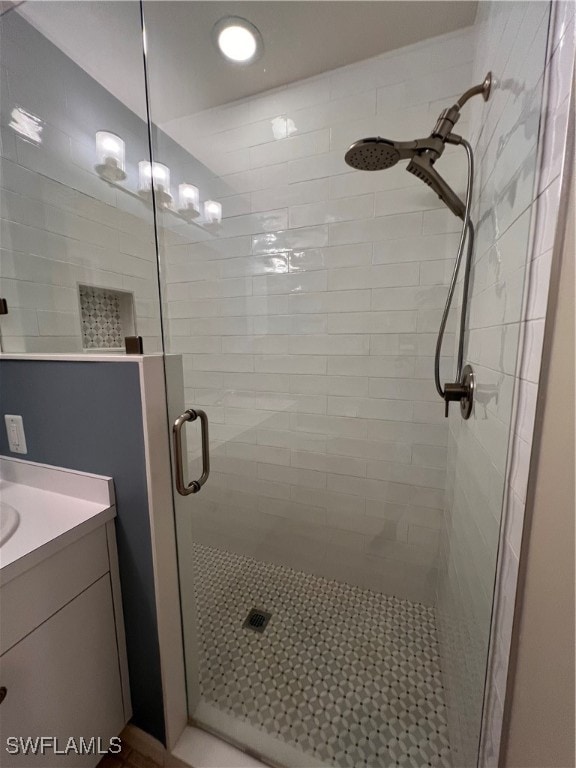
pixel 63 680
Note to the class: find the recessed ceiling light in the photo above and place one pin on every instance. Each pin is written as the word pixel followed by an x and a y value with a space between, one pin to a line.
pixel 238 40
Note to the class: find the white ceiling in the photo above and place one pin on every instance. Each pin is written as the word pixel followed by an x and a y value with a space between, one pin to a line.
pixel 187 74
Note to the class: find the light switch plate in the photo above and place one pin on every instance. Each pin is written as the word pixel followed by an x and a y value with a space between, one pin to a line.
pixel 15 432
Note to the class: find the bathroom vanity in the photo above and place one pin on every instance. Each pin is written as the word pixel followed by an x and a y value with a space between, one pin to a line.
pixel 63 667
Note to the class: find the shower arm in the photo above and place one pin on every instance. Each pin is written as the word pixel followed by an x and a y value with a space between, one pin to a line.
pixel 459 390
pixel 483 89
pixel 450 116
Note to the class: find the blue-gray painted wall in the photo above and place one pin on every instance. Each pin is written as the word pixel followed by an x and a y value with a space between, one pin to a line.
pixel 88 416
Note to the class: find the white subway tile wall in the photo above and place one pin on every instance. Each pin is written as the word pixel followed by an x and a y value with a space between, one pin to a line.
pixel 519 138
pixel 308 322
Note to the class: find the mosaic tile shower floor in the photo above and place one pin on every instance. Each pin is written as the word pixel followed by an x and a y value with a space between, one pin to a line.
pixel 348 676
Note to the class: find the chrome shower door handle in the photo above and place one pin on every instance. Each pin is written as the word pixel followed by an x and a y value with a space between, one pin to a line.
pixel 195 485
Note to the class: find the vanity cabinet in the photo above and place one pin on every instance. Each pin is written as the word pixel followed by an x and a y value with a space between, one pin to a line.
pixel 63 660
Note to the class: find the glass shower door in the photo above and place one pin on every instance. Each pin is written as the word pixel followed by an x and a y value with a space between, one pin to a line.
pixel 301 301
pixel 308 560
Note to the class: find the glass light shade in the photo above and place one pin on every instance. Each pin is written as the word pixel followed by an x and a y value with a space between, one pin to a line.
pixel 157 176
pixel 212 212
pixel 110 162
pixel 189 199
pixel 156 173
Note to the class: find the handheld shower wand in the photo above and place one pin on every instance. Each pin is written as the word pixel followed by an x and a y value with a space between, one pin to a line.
pixel 375 154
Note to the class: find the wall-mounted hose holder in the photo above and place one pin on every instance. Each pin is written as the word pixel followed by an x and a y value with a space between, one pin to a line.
pixel 462 391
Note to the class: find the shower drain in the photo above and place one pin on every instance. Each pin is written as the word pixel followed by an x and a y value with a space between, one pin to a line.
pixel 257 620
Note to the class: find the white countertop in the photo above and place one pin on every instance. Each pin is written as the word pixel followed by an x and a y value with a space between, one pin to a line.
pixel 49 518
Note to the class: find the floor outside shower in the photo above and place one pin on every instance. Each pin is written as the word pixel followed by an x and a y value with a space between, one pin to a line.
pixel 348 676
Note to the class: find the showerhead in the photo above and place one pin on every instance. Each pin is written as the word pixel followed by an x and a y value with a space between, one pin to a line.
pixel 372 154
pixel 421 166
pixel 377 154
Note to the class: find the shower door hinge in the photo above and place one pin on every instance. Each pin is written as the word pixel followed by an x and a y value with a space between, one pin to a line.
pixel 3 307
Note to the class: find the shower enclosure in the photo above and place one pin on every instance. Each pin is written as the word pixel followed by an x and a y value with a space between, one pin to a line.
pixel 319 561
pixel 337 535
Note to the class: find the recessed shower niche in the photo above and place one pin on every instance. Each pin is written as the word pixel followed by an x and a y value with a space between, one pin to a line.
pixel 106 317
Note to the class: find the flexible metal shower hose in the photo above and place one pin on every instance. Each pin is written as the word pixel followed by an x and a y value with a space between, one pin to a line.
pixel 467 229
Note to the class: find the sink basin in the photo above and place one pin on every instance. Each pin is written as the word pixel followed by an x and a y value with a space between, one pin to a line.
pixel 9 521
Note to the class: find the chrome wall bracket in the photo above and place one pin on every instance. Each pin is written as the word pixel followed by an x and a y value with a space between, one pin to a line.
pixel 463 391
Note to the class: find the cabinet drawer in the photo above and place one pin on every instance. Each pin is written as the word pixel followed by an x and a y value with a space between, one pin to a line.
pixel 35 595
pixel 63 681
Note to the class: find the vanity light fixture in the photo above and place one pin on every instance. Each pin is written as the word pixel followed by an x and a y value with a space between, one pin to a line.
pixel 153 183
pixel 188 201
pixel 212 212
pixel 110 164
pixel 157 176
pixel 238 40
